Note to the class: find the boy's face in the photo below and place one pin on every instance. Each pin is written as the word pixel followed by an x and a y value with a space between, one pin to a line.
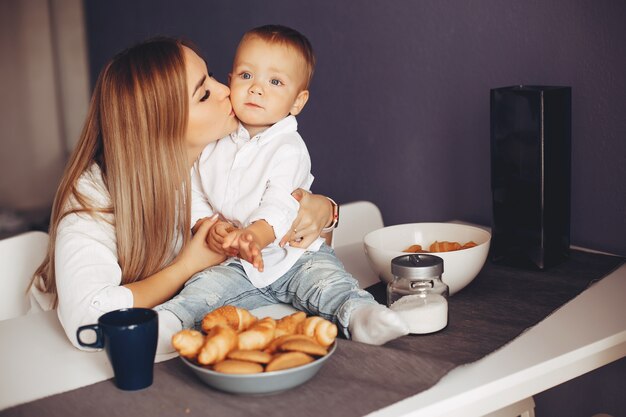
pixel 266 84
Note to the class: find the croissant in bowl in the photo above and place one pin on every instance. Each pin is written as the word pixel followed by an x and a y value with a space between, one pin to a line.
pixel 237 342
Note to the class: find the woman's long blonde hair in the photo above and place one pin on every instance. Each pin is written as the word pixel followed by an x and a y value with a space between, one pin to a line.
pixel 134 132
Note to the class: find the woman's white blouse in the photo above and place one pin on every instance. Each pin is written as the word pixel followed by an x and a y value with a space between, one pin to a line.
pixel 87 271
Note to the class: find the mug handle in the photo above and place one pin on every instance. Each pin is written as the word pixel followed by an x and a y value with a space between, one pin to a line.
pixel 98 344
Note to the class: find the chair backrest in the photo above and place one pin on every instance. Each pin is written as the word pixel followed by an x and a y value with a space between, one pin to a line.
pixel 19 258
pixel 356 219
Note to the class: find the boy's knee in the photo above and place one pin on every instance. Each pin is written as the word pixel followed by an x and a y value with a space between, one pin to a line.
pixel 212 299
pixel 328 276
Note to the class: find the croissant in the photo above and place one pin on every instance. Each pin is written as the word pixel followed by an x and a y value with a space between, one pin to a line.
pixel 468 245
pixel 236 318
pixel 188 342
pixel 278 341
pixel 258 336
pixel 414 249
pixel 218 343
pixel 321 329
pixel 444 246
pixel 288 360
pixel 288 324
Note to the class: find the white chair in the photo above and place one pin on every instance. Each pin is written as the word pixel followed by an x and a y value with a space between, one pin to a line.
pixel 355 221
pixel 19 258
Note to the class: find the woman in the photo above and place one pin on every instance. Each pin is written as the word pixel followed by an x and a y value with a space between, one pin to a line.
pixel 120 225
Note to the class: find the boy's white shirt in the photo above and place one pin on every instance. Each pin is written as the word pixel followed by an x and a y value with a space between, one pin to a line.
pixel 247 179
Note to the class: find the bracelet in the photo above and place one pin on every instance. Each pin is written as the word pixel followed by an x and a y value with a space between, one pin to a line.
pixel 335 221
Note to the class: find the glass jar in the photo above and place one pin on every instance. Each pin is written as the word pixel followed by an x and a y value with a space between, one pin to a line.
pixel 417 292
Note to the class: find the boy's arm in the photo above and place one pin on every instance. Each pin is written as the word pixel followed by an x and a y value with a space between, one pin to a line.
pixel 262 233
pixel 290 169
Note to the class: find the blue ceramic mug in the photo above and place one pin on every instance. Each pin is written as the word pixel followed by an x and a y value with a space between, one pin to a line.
pixel 129 337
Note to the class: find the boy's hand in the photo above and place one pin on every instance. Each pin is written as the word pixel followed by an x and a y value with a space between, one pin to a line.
pixel 217 234
pixel 246 244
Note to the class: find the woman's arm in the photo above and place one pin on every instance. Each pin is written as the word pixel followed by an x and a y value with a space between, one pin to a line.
pixel 195 257
pixel 316 212
pixel 88 275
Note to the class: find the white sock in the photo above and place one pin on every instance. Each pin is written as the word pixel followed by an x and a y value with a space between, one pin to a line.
pixel 169 324
pixel 375 324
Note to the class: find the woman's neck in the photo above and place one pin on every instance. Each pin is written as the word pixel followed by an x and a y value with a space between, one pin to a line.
pixel 192 155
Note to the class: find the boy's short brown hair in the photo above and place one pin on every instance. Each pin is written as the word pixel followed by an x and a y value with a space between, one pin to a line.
pixel 291 37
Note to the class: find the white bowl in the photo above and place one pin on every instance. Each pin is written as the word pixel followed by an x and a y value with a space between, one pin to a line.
pixel 459 267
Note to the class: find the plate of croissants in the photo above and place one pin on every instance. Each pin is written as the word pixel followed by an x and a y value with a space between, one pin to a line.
pixel 239 353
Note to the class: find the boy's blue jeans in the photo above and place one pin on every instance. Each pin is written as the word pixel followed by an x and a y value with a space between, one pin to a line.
pixel 317 284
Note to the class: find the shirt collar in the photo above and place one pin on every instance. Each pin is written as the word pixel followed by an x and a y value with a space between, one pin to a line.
pixel 287 125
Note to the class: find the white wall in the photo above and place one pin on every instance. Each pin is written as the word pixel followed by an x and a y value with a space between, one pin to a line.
pixel 45 91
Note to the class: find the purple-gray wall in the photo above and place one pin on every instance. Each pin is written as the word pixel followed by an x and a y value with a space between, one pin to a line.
pixel 399 108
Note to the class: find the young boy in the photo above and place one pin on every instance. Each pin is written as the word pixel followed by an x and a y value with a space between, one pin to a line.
pixel 248 178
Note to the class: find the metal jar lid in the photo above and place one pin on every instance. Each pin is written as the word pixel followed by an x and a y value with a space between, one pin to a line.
pixel 417 265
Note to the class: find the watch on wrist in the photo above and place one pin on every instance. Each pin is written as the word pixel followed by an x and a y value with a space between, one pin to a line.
pixel 335 221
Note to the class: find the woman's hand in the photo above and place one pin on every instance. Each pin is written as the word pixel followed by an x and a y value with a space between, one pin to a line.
pixel 163 285
pixel 197 255
pixel 315 213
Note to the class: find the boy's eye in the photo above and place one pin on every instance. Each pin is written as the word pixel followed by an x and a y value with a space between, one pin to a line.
pixel 246 76
pixel 276 82
pixel 205 96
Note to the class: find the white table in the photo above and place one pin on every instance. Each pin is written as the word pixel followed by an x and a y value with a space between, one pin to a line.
pixel 583 335
pixel 36 360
